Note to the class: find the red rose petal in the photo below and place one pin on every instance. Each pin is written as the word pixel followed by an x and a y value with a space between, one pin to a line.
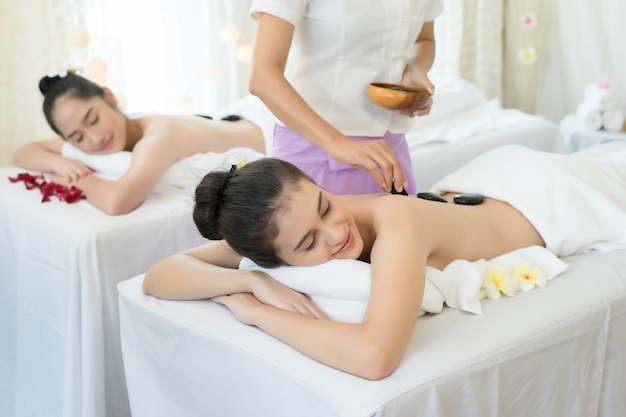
pixel 48 189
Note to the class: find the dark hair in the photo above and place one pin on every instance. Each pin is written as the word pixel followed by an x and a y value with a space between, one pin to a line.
pixel 72 85
pixel 242 206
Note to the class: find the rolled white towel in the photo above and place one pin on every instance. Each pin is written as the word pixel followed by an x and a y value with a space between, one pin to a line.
pixel 602 96
pixel 590 115
pixel 613 120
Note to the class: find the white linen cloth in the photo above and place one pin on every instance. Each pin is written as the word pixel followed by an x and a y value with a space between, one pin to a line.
pixel 254 110
pixel 460 111
pixel 341 287
pixel 60 353
pixel 576 204
pixel 185 173
pixel 557 351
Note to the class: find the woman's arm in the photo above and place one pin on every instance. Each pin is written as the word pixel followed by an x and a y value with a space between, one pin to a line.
pixel 46 156
pixel 373 348
pixel 268 82
pixel 212 270
pixel 161 145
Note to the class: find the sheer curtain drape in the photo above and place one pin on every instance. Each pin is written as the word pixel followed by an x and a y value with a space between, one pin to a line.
pixel 469 43
pixel 172 56
pixel 531 54
pixel 184 56
pixel 32 40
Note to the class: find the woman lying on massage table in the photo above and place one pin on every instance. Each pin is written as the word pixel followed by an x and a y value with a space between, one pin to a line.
pixel 270 212
pixel 86 115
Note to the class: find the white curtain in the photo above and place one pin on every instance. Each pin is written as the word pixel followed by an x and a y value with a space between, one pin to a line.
pixel 172 56
pixel 469 43
pixel 583 43
pixel 32 41
pixel 569 45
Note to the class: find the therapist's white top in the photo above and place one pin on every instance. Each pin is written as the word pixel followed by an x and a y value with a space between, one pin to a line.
pixel 340 46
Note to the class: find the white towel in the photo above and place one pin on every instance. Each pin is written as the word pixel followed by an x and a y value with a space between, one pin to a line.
pixel 341 288
pixel 110 167
pixel 185 173
pixel 613 120
pixel 575 204
pixel 601 96
pixel 253 109
pixel 590 115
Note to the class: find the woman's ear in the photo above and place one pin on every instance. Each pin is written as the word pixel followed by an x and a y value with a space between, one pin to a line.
pixel 108 94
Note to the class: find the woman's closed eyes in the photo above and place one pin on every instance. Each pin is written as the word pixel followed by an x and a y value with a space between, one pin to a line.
pixel 329 207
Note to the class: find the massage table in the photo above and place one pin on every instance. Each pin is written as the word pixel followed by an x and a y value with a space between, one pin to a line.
pixel 556 351
pixel 60 264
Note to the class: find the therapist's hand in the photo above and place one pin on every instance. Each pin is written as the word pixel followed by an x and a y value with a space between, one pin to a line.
pixel 372 156
pixel 415 78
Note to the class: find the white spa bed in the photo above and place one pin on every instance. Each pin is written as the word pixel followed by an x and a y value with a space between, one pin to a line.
pixel 558 351
pixel 60 351
pixel 59 265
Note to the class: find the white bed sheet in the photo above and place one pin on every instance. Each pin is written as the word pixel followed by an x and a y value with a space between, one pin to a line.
pixel 437 150
pixel 556 351
pixel 60 351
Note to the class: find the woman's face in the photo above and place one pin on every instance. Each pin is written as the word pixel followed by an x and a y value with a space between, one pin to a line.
pixel 315 227
pixel 93 125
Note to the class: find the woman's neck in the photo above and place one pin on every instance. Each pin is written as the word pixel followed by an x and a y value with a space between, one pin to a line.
pixel 134 133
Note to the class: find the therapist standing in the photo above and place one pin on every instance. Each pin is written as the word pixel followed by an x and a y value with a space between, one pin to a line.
pixel 326 125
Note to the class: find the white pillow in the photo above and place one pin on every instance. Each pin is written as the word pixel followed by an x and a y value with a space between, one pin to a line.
pixel 341 288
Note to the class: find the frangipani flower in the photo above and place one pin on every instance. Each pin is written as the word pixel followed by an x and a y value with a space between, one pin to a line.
pixel 528 21
pixel 529 277
pixel 497 281
pixel 527 56
pixel 234 162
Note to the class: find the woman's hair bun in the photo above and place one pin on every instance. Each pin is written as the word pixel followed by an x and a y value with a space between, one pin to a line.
pixel 47 83
pixel 209 201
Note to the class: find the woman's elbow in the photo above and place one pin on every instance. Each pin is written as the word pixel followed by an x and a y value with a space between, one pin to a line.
pixel 153 280
pixel 148 283
pixel 260 82
pixel 378 362
pixel 117 207
pixel 254 85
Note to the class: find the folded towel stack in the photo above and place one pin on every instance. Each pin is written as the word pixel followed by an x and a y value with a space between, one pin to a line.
pixel 602 108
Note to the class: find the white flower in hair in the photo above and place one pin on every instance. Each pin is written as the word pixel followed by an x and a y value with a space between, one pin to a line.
pixel 234 162
pixel 62 70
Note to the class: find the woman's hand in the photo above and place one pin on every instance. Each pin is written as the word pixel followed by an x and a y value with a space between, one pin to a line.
pixel 69 171
pixel 242 305
pixel 271 292
pixel 372 156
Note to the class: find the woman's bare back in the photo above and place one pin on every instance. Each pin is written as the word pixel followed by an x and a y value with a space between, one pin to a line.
pixel 454 231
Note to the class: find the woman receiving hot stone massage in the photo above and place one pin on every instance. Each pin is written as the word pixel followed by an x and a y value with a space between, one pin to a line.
pixel 272 213
pixel 86 116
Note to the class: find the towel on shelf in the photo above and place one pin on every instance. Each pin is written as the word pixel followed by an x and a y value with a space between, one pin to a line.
pixel 601 96
pixel 590 115
pixel 184 173
pixel 341 287
pixel 613 120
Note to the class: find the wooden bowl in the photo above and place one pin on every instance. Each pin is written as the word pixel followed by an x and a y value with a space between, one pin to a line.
pixel 397 97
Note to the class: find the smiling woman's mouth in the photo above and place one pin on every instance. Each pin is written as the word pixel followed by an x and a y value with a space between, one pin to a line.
pixel 347 244
pixel 107 144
